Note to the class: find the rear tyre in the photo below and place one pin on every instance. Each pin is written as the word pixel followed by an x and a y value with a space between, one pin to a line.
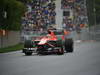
pixel 69 45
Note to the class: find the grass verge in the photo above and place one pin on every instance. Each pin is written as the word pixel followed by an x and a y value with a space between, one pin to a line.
pixel 11 48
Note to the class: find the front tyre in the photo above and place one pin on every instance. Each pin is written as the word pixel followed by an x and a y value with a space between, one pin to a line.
pixel 28 53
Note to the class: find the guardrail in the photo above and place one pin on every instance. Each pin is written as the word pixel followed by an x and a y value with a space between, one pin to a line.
pixel 94 31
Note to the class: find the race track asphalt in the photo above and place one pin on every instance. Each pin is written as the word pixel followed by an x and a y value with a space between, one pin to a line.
pixel 85 60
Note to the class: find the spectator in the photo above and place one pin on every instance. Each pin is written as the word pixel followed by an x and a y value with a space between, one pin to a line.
pixel 40 12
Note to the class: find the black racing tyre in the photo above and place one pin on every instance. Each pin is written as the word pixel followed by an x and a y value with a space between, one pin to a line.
pixel 69 45
pixel 28 53
pixel 28 44
pixel 23 51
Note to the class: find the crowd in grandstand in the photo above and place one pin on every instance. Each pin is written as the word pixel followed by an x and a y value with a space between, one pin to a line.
pixel 67 6
pixel 78 7
pixel 40 14
pixel 81 11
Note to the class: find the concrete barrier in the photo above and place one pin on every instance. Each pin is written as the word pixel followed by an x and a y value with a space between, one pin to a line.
pixel 12 38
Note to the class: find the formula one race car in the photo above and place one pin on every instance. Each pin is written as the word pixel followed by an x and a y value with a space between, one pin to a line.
pixel 55 42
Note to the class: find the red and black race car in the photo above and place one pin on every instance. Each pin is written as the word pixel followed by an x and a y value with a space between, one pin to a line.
pixel 53 42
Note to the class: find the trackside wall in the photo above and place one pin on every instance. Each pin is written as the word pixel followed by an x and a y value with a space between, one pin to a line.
pixel 11 38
